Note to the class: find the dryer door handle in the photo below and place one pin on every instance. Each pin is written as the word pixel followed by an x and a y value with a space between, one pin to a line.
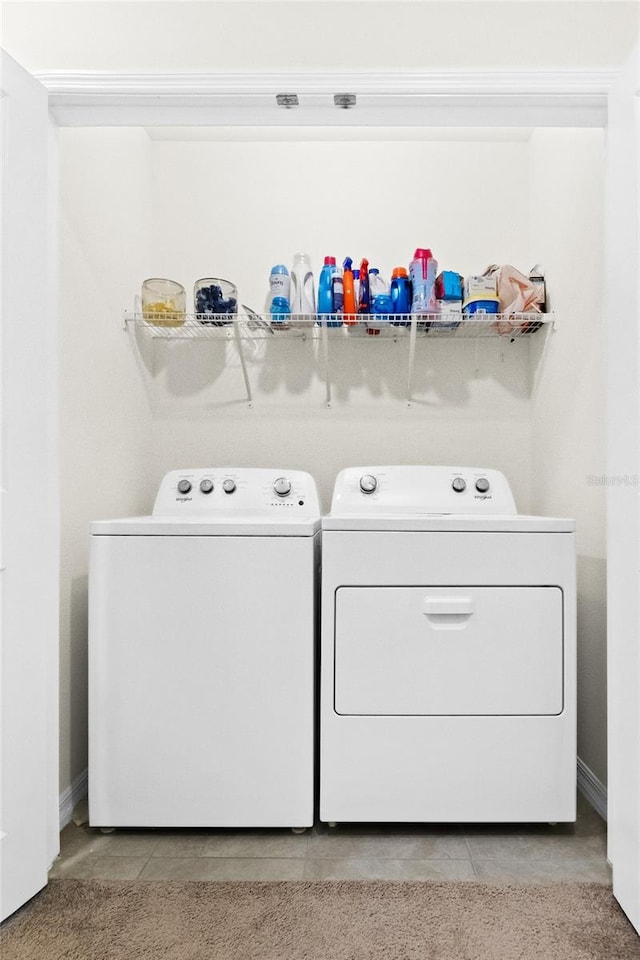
pixel 447 606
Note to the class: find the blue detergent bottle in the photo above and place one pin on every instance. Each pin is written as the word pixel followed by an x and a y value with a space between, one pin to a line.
pixel 326 310
pixel 401 297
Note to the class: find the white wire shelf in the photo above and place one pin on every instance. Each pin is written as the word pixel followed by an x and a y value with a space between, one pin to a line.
pixel 254 326
pixel 329 334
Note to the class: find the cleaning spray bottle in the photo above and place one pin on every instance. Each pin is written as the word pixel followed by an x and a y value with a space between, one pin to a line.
pixel 350 306
pixel 364 297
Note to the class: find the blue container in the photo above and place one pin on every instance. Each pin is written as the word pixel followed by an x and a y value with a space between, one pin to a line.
pixel 482 306
pixel 381 313
pixel 280 281
pixel 401 299
pixel 280 312
pixel 382 305
pixel 326 286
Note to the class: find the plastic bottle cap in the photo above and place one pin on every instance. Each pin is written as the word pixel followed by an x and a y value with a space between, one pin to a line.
pixel 279 268
pixel 399 272
pixel 374 270
pixel 330 261
pixel 348 263
pixel 423 253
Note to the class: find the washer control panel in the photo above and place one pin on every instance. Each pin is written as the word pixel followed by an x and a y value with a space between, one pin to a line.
pixel 237 492
pixel 421 490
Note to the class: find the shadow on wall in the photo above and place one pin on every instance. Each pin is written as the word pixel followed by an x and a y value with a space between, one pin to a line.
pixel 592 664
pixel 78 666
pixel 203 375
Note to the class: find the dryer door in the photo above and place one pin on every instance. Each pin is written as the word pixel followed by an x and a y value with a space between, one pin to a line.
pixel 465 651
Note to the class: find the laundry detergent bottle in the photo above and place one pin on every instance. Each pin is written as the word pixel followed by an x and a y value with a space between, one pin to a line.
pixel 400 296
pixel 303 295
pixel 376 283
pixel 325 293
pixel 423 270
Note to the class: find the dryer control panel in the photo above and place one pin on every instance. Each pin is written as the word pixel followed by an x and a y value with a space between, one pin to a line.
pixel 421 490
pixel 237 492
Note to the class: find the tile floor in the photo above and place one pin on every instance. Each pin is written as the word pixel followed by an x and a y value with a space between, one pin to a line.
pixel 502 853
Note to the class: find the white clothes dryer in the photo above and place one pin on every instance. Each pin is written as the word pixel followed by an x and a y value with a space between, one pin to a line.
pixel 448 652
pixel 201 654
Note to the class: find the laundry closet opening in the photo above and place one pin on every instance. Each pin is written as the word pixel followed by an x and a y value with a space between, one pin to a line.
pixel 230 202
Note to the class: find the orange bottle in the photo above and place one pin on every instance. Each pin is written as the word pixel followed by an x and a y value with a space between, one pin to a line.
pixel 350 307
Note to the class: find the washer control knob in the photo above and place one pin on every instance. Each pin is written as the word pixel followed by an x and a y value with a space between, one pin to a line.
pixel 184 486
pixel 282 487
pixel 206 486
pixel 482 484
pixel 229 486
pixel 459 484
pixel 368 483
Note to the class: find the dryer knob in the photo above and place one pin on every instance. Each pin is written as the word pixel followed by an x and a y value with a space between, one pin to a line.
pixel 368 483
pixel 184 486
pixel 228 486
pixel 206 486
pixel 282 487
pixel 482 485
pixel 459 484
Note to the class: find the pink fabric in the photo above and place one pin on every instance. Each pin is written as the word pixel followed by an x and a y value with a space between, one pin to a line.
pixel 516 293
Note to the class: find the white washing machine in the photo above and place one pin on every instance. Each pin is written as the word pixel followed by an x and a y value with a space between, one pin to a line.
pixel 201 654
pixel 448 651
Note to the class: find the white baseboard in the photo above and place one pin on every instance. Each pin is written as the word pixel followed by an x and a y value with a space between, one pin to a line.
pixel 72 796
pixel 588 785
pixel 592 788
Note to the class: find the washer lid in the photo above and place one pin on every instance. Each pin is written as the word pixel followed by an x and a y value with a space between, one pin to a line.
pixel 450 523
pixel 281 526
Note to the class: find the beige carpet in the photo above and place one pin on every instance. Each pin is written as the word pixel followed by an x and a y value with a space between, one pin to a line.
pixel 188 920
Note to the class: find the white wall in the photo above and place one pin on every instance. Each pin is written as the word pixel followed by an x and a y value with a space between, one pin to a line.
pixel 280 36
pixel 232 210
pixel 216 208
pixel 567 232
pixel 105 420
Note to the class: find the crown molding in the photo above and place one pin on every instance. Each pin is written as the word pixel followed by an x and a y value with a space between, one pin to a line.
pixel 449 98
pixel 516 82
